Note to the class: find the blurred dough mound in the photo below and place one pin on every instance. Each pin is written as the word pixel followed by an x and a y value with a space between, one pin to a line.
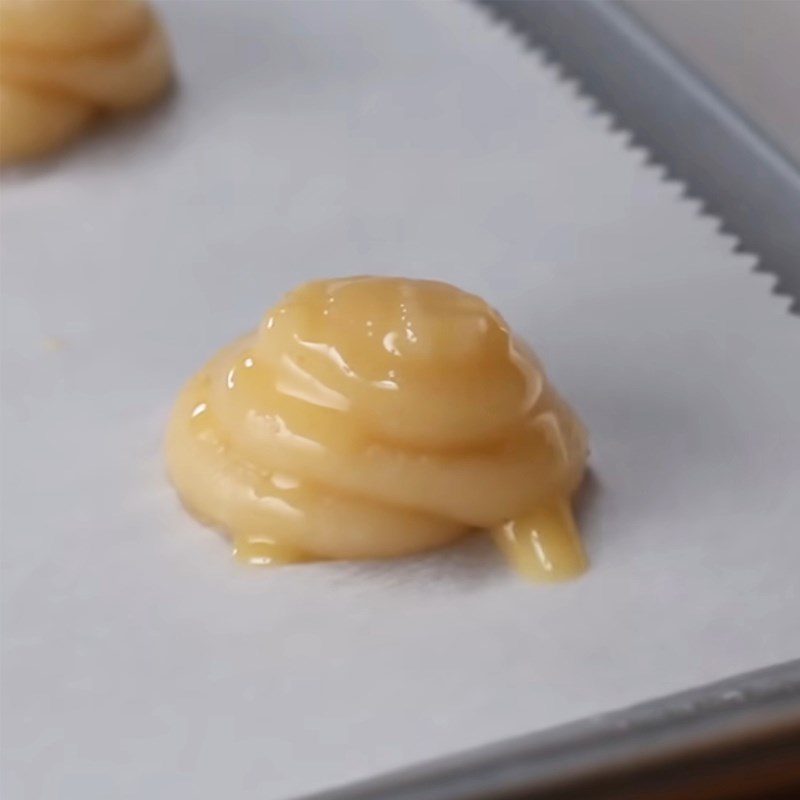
pixel 62 62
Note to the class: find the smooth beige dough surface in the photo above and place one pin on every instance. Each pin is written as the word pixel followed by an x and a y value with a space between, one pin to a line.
pixel 65 62
pixel 375 417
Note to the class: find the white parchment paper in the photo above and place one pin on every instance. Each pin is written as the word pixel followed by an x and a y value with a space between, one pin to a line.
pixel 311 140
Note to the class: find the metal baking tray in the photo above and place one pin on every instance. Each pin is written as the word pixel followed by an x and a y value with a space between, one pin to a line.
pixel 726 162
pixel 724 159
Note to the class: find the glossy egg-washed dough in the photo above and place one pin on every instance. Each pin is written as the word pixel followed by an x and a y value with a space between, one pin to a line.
pixel 375 417
pixel 63 62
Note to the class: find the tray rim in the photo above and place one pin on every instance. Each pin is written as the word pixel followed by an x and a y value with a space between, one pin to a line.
pixel 753 705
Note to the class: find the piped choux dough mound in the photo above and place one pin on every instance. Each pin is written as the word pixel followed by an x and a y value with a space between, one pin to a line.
pixel 65 62
pixel 375 417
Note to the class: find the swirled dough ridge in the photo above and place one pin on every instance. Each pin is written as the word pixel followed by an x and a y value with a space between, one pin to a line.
pixel 372 417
